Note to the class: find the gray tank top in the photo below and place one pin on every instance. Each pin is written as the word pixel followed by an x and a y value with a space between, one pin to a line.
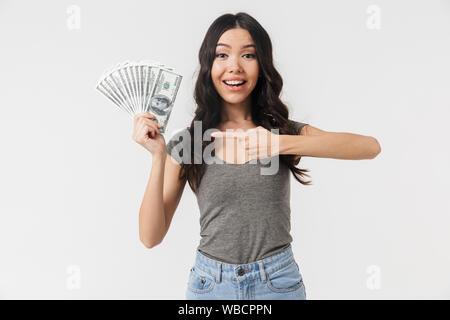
pixel 244 215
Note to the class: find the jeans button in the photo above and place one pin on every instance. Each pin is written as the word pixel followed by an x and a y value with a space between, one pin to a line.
pixel 241 272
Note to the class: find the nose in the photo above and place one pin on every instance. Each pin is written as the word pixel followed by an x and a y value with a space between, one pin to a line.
pixel 234 65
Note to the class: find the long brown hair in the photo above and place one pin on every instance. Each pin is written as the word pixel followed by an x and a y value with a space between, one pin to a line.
pixel 267 109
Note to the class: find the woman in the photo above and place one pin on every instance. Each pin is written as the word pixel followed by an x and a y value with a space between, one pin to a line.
pixel 245 250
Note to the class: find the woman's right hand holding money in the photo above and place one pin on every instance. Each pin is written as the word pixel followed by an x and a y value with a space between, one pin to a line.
pixel 146 133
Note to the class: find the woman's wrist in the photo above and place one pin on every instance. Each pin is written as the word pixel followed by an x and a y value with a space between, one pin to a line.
pixel 159 157
pixel 289 144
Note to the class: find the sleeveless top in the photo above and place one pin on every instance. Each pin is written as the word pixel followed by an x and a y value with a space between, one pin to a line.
pixel 244 214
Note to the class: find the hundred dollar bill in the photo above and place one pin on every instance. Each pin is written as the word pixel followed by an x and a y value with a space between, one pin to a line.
pixel 105 90
pixel 131 84
pixel 115 79
pixel 145 86
pixel 163 96
pixel 135 72
pixel 118 91
pixel 152 74
pixel 140 70
pixel 125 80
pixel 105 86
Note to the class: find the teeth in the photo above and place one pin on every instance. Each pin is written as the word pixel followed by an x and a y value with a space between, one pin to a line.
pixel 234 82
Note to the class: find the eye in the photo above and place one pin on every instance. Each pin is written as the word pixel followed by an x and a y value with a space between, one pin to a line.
pixel 219 55
pixel 250 54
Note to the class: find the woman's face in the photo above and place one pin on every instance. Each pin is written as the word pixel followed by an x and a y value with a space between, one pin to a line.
pixel 235 60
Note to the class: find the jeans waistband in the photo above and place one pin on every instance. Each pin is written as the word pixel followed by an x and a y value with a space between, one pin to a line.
pixel 219 270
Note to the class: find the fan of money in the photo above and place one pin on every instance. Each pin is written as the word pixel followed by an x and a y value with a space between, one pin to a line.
pixel 144 86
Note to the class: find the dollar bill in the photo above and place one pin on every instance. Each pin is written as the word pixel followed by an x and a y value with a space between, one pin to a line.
pixel 144 86
pixel 110 95
pixel 152 74
pixel 126 85
pixel 120 89
pixel 163 96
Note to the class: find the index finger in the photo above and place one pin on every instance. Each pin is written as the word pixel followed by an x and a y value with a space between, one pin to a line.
pixel 146 115
pixel 143 115
pixel 224 135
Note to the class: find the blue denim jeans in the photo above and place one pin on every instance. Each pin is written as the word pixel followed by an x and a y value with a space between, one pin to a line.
pixel 274 278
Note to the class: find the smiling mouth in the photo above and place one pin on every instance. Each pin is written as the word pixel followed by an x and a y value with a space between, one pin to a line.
pixel 235 85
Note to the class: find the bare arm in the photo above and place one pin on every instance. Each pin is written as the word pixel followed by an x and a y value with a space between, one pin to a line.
pixel 152 222
pixel 164 188
pixel 313 142
pixel 161 198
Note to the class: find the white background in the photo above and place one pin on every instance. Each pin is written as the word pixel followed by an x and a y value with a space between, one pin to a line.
pixel 72 178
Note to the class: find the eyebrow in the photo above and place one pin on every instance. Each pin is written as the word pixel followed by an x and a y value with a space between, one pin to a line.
pixel 243 47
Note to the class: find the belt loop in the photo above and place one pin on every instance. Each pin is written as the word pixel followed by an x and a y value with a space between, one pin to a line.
pixel 261 271
pixel 219 272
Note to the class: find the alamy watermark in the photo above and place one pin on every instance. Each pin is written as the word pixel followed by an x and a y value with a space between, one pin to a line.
pixel 252 146
pixel 373 21
pixel 373 281
pixel 73 280
pixel 73 21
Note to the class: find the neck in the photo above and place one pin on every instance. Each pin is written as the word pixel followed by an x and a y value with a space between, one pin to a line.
pixel 237 113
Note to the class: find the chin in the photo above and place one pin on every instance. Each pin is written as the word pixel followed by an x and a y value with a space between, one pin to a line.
pixel 234 97
pixel 234 101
